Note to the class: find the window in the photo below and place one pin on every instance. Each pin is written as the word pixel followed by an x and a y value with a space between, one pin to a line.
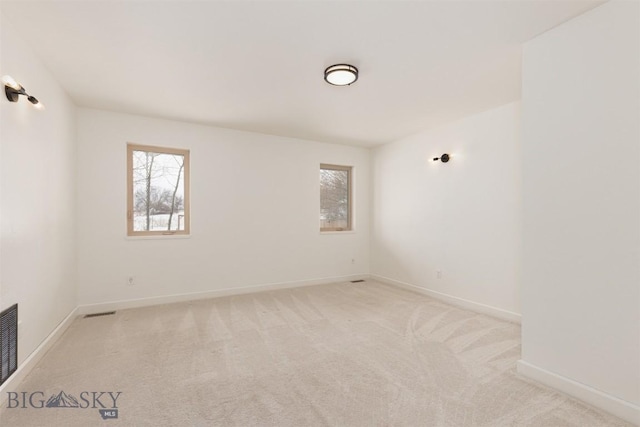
pixel 157 191
pixel 335 198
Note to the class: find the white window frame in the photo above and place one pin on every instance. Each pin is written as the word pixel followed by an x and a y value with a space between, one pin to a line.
pixel 349 170
pixel 187 212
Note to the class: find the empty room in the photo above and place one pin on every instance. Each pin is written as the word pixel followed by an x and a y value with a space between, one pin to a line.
pixel 320 213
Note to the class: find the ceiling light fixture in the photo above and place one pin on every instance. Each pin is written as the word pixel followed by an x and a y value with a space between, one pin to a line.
pixel 444 158
pixel 13 90
pixel 341 74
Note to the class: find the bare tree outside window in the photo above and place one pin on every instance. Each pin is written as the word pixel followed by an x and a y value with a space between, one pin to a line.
pixel 158 190
pixel 335 198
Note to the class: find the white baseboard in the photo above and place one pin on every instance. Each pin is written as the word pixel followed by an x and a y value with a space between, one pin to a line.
pixel 460 302
pixel 167 299
pixel 32 360
pixel 618 407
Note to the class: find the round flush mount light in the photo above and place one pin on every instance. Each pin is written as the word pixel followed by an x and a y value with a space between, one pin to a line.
pixel 341 74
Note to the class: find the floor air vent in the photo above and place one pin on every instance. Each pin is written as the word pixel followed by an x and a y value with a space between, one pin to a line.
pixel 106 313
pixel 8 342
pixel 357 281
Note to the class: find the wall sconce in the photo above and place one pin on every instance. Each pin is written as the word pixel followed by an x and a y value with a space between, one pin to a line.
pixel 444 158
pixel 13 90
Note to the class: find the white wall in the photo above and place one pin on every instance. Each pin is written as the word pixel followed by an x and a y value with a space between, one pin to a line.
pixel 254 211
pixel 462 217
pixel 581 151
pixel 37 197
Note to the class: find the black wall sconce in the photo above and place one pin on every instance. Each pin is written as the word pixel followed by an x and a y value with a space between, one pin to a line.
pixel 13 90
pixel 444 158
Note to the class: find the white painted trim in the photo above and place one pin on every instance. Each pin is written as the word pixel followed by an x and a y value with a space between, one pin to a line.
pixel 32 360
pixel 159 237
pixel 324 233
pixel 618 407
pixel 460 302
pixel 168 299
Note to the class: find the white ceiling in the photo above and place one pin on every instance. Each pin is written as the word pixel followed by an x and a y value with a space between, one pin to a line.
pixel 258 66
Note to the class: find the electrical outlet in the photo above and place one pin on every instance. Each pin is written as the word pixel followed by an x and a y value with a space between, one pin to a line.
pixel 131 281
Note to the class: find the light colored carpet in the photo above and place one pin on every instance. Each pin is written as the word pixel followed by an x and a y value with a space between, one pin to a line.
pixel 364 354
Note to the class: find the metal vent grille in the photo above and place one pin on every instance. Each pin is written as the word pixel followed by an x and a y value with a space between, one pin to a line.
pixel 106 313
pixel 8 342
